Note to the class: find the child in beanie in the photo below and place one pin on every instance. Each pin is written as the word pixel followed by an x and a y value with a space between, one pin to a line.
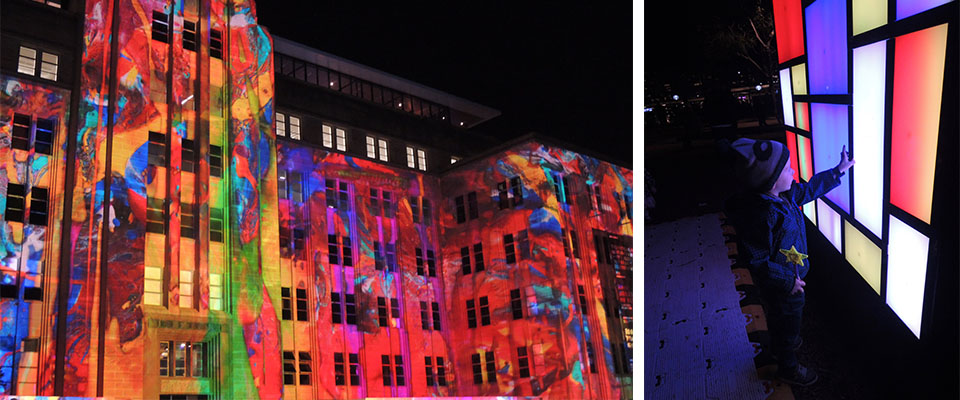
pixel 772 240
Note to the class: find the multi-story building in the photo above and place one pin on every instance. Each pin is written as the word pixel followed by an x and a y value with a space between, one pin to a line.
pixel 195 209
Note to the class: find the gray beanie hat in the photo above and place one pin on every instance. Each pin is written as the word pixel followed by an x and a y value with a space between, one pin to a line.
pixel 760 162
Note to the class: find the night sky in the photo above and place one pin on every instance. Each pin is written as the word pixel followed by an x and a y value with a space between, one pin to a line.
pixel 564 70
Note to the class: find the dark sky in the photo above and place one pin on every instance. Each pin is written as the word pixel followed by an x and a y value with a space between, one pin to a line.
pixel 564 70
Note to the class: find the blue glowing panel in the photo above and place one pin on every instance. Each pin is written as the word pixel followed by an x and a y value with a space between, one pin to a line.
pixel 906 8
pixel 869 87
pixel 826 22
pixel 830 133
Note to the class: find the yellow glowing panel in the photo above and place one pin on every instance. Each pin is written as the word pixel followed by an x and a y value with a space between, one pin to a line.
pixel 799 73
pixel 863 255
pixel 868 14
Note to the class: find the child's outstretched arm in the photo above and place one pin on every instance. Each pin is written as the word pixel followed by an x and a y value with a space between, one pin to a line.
pixel 821 183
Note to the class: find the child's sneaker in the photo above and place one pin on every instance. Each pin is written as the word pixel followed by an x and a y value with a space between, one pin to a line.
pixel 801 376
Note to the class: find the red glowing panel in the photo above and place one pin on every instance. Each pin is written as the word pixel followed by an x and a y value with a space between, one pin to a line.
pixel 789 28
pixel 792 146
pixel 917 87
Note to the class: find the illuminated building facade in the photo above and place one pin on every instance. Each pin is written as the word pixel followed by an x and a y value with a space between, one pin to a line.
pixel 194 208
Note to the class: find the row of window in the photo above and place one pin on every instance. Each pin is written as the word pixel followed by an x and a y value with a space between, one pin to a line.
pixel 160 31
pixel 157 154
pixel 189 359
pixel 510 194
pixel 516 306
pixel 336 138
pixel 34 62
pixel 41 141
pixel 157 215
pixel 350 85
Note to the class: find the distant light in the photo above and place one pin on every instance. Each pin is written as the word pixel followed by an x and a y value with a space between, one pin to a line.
pixel 399 104
pixel 675 97
pixel 461 123
pixel 648 109
pixel 443 117
pixel 331 83
pixel 759 87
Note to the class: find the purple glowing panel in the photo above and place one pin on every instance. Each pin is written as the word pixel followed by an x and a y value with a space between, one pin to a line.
pixel 826 22
pixel 830 133
pixel 906 8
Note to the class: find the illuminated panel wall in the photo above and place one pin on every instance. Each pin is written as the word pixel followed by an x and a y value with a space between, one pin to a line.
pixel 33 122
pixel 884 102
pixel 556 191
pixel 794 156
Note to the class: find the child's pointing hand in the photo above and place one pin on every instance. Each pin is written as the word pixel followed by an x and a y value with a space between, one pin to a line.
pixel 845 161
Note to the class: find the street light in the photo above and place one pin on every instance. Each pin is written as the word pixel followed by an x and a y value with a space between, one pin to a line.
pixel 675 97
pixel 759 87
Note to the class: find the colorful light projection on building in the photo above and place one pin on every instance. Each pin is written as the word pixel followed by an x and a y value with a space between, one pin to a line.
pixel 887 111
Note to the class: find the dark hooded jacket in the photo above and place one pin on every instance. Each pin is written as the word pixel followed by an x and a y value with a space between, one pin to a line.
pixel 767 224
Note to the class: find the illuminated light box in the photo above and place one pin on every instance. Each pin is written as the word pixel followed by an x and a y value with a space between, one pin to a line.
pixel 868 14
pixel 786 97
pixel 789 29
pixel 827 48
pixel 806 164
pixel 803 116
pixel 829 223
pixel 906 8
pixel 917 87
pixel 862 254
pixel 810 210
pixel 799 75
pixel 830 133
pixel 792 146
pixel 906 273
pixel 869 87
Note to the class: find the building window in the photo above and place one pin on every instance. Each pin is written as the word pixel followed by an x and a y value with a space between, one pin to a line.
pixel 516 304
pixel 216 44
pixel 487 358
pixel 436 316
pixel 523 362
pixel 153 286
pixel 302 305
pixel 339 370
pixel 475 360
pixel 394 312
pixel 424 316
pixel 286 304
pixel 595 190
pixel 186 289
pixel 339 252
pixel 187 156
pixel 161 27
pixel 157 149
pixel 294 128
pixel 216 225
pixel 327 136
pixel 509 248
pixel 341 140
pixel 484 311
pixel 216 161
pixel 350 305
pixel 189 359
pixel 190 35
pixel 380 198
pixel 419 257
pixel 491 367
pixel 461 212
pixel 512 195
pixel 43 140
pixel 336 308
pixel 473 209
pixel 305 369
pixel 216 292
pixel 421 160
pixel 559 187
pixel 420 208
pixel 583 300
pixel 281 184
pixel 477 257
pixel 371 147
pixel 281 129
pixel 155 215
pixel 38 206
pixel 576 244
pixel 16 202
pixel 591 358
pixel 382 150
pixel 397 365
pixel 295 183
pixel 382 311
pixel 471 314
pixel 20 138
pixel 428 369
pixel 28 61
pixel 411 160
pixel 188 220
pixel 431 264
pixel 289 368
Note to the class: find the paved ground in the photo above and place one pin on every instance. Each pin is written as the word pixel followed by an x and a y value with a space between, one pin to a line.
pixel 694 330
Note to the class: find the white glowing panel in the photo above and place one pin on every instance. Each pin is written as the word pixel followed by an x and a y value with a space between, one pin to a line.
pixel 829 223
pixel 906 273
pixel 810 210
pixel 786 92
pixel 869 64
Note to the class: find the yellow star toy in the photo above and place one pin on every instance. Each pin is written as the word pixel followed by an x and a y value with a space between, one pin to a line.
pixel 793 256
